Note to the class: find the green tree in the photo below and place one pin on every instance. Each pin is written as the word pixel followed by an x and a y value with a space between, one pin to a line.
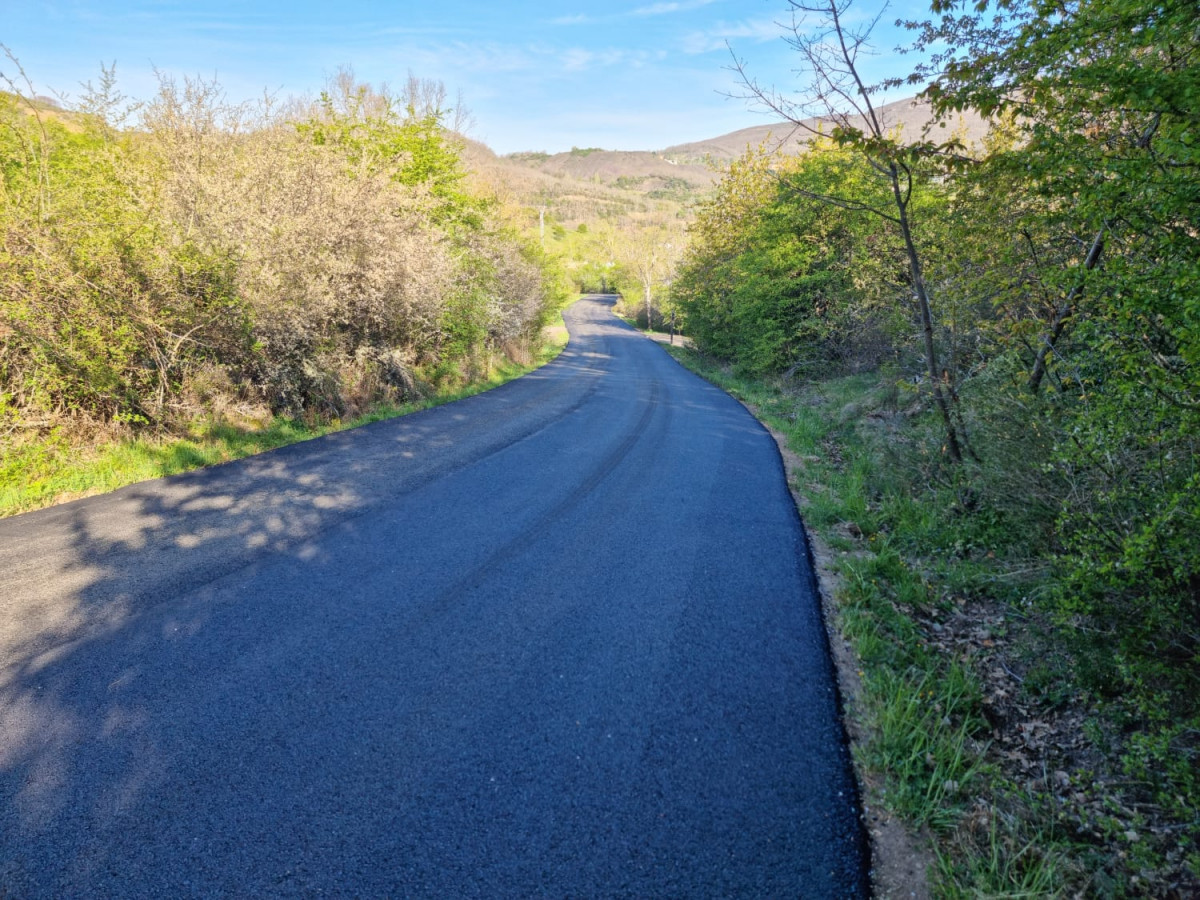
pixel 829 49
pixel 1106 100
pixel 407 136
pixel 717 236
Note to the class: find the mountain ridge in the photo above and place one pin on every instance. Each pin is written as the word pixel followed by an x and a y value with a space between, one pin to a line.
pixel 911 115
pixel 580 182
pixel 694 161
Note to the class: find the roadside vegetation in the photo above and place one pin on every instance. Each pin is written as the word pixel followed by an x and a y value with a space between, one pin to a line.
pixel 184 280
pixel 58 468
pixel 987 360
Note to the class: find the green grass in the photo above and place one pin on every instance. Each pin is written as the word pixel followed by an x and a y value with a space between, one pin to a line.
pixel 54 469
pixel 939 578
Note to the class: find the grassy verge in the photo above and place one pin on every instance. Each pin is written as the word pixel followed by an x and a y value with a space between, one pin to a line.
pixel 57 469
pixel 974 730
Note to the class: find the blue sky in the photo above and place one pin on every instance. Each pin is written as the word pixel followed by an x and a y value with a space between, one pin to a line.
pixel 624 74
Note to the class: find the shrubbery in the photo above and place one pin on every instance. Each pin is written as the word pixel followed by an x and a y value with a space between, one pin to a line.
pixel 315 258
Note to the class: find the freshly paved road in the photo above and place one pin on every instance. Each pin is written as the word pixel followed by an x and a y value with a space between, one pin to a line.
pixel 559 639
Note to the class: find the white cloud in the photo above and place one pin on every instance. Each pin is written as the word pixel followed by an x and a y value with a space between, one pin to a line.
pixel 579 59
pixel 662 9
pixel 461 56
pixel 715 38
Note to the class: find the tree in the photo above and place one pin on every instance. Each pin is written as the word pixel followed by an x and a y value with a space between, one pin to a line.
pixel 1104 101
pixel 716 237
pixel 406 135
pixel 1106 97
pixel 315 259
pixel 837 95
pixel 648 252
pixel 772 279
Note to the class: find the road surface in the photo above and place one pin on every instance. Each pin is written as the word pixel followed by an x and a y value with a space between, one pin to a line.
pixel 559 639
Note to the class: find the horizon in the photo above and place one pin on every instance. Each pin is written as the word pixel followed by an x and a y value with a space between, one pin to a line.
pixel 644 76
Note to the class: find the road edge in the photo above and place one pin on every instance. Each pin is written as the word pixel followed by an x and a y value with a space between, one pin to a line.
pixel 899 860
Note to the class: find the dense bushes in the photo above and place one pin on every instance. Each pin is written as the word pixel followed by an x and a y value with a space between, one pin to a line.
pixel 313 259
pixel 774 282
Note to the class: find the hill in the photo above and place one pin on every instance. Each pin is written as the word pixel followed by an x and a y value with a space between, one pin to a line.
pixel 913 117
pixel 632 169
pixel 582 186
pixel 582 204
pixel 585 183
pixel 47 109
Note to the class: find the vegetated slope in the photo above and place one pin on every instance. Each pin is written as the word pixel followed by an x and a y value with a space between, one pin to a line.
pixel 912 116
pixel 581 187
pixel 586 183
pixel 625 166
pixel 47 109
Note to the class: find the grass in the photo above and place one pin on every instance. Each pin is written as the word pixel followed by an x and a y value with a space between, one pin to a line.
pixel 55 470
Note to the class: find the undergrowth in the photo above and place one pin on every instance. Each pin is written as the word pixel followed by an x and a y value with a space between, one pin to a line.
pixel 56 468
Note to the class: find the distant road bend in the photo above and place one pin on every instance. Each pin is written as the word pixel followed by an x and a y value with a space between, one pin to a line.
pixel 558 639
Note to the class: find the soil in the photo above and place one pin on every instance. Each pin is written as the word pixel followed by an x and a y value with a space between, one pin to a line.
pixel 664 337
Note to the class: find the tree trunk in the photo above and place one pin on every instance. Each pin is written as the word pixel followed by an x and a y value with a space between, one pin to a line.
pixel 1059 324
pixel 953 446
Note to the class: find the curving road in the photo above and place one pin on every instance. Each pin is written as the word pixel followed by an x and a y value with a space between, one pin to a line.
pixel 559 639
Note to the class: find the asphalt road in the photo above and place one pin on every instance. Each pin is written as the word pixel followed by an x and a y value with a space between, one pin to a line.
pixel 559 639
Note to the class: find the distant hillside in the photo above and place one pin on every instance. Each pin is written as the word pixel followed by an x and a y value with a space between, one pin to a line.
pixel 635 169
pixel 585 185
pixel 582 183
pixel 911 116
pixel 47 108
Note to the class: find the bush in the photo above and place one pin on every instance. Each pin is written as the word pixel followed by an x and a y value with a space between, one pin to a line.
pixel 313 261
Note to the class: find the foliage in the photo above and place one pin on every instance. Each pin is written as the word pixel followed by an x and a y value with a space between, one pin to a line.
pixel 375 132
pixel 55 467
pixel 774 279
pixel 717 236
pixel 1107 93
pixel 312 260
pixel 679 189
pixel 646 256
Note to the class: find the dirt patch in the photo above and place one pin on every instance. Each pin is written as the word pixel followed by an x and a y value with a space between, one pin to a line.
pixel 663 337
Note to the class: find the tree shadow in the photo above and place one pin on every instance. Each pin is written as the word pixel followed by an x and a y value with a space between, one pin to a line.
pixel 112 600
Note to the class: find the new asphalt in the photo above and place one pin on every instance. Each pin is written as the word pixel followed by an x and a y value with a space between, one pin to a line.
pixel 556 640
